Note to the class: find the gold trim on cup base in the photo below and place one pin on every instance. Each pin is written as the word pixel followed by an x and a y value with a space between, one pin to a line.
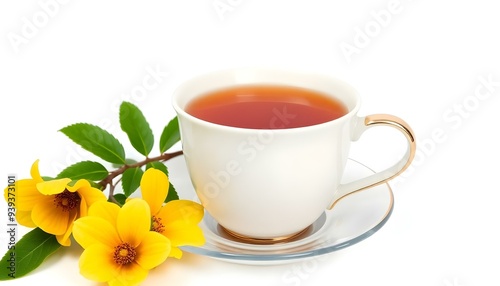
pixel 263 241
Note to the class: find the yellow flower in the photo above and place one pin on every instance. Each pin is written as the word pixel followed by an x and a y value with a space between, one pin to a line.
pixel 54 205
pixel 119 247
pixel 178 219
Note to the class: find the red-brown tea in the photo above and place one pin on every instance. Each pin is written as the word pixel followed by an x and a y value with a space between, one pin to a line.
pixel 266 107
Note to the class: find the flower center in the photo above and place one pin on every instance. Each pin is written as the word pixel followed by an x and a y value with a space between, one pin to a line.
pixel 67 200
pixel 156 225
pixel 124 254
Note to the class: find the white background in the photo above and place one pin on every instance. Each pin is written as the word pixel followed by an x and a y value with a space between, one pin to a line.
pixel 62 63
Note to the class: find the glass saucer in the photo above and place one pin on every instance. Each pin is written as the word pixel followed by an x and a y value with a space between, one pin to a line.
pixel 353 219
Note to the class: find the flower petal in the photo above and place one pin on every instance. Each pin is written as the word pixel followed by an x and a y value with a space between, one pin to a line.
pixel 153 250
pixel 187 235
pixel 91 230
pixel 97 264
pixel 84 209
pixel 180 219
pixel 181 212
pixel 106 210
pixel 134 221
pixel 50 218
pixel 175 252
pixel 91 195
pixel 35 173
pixel 88 196
pixel 27 195
pixel 154 188
pixel 87 192
pixel 130 274
pixel 64 238
pixel 24 218
pixel 53 187
pixel 77 185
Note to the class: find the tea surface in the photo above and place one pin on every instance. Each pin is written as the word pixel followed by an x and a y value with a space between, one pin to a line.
pixel 266 107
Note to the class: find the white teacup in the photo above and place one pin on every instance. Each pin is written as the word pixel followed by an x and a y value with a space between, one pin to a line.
pixel 270 184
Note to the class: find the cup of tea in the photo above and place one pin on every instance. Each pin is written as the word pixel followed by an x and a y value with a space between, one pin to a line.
pixel 266 148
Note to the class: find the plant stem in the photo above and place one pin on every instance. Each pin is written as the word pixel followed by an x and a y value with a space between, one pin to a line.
pixel 109 179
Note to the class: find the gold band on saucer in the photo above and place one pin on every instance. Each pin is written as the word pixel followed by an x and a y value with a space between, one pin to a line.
pixel 263 241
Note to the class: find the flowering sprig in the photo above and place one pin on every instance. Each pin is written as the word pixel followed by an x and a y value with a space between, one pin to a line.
pixel 122 237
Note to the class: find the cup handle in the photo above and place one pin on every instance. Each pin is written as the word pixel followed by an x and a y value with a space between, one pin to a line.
pixel 364 123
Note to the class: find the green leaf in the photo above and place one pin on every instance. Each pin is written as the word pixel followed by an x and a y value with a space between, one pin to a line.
pixel 27 254
pixel 96 185
pixel 120 198
pixel 133 122
pixel 172 194
pixel 128 161
pixel 89 170
pixel 97 141
pixel 170 135
pixel 131 180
